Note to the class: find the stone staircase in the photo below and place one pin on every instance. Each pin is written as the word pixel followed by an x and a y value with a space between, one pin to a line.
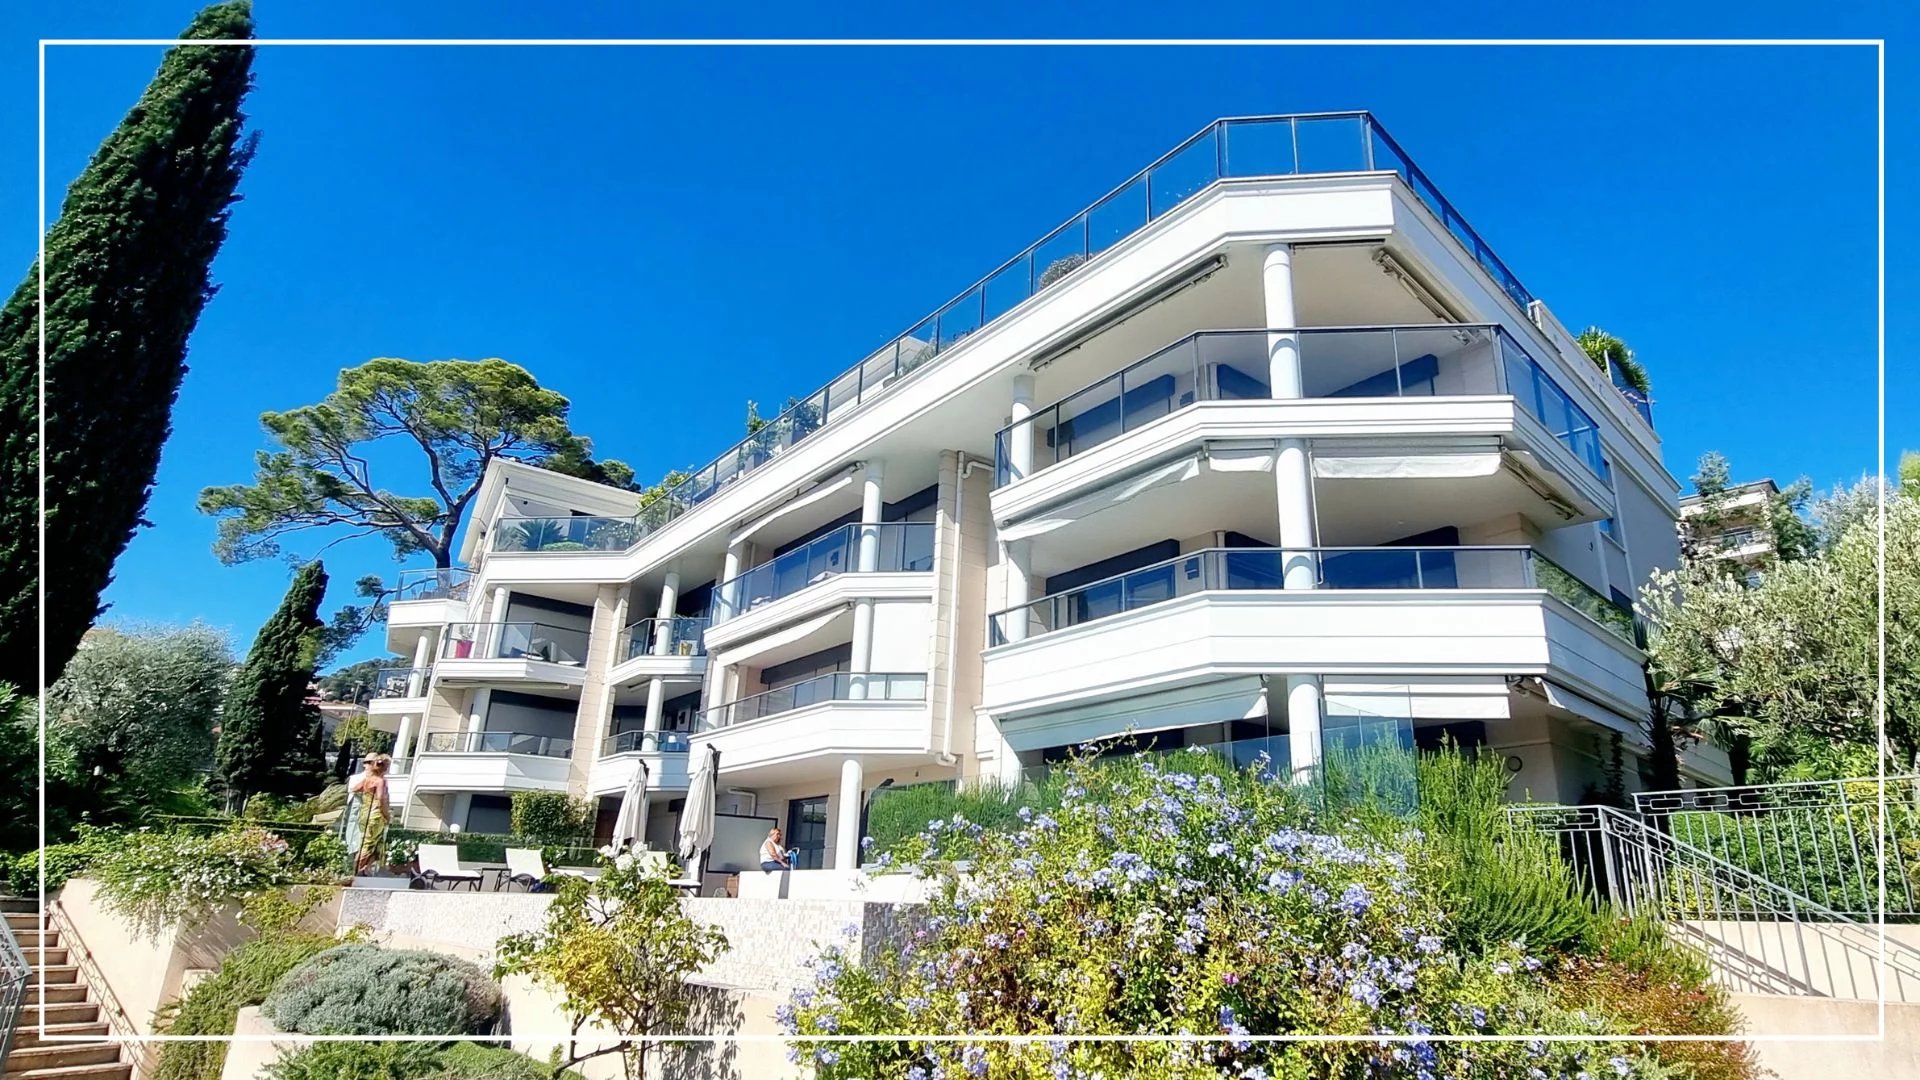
pixel 74 1044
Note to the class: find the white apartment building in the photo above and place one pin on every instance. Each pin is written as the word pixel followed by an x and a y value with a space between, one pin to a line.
pixel 1266 451
pixel 1740 532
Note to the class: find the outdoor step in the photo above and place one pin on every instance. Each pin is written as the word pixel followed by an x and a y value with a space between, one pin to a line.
pixel 54 974
pixel 23 920
pixel 69 1012
pixel 29 1035
pixel 19 903
pixel 48 957
pixel 32 939
pixel 121 1071
pixel 32 1061
pixel 58 993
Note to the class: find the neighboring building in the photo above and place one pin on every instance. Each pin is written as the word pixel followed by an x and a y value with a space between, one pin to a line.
pixel 1078 501
pixel 1737 525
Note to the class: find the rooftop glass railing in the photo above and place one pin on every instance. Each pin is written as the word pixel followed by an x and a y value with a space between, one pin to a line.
pixel 433 583
pixel 1268 569
pixel 1343 362
pixel 901 546
pixel 833 686
pixel 1234 149
pixel 515 641
pixel 678 636
pixel 556 534
pixel 497 742
pixel 644 742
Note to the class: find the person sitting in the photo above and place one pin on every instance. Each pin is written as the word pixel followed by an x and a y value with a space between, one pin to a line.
pixel 773 855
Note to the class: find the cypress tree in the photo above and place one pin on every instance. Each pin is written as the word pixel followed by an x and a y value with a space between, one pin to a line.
pixel 127 274
pixel 269 731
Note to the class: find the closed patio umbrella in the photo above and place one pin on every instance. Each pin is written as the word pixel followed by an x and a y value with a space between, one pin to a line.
pixel 632 819
pixel 696 819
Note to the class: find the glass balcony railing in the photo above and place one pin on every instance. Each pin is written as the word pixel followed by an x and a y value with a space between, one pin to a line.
pixel 433 583
pixel 406 682
pixel 834 686
pixel 644 742
pixel 1231 365
pixel 900 546
pixel 497 742
pixel 1256 569
pixel 1241 148
pixel 553 534
pixel 684 636
pixel 515 641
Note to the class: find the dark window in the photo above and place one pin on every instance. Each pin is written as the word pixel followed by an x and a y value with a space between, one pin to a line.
pixel 1465 735
pixel 1386 569
pixel 1237 385
pixel 807 832
pixel 491 814
pixel 1413 377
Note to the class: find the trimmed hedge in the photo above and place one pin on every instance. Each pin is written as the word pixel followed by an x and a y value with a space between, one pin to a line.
pixel 367 990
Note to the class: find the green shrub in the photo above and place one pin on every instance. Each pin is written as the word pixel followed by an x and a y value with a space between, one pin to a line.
pixel 155 880
pixel 550 816
pixel 1155 901
pixel 1505 883
pixel 366 990
pixel 410 1061
pixel 325 853
pixel 334 797
pixel 70 859
pixel 245 977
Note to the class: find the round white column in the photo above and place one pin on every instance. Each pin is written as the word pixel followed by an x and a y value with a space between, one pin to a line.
pixel 1016 557
pixel 871 509
pixel 1020 435
pixel 726 603
pixel 656 703
pixel 847 831
pixel 1303 725
pixel 403 740
pixel 422 658
pixel 663 619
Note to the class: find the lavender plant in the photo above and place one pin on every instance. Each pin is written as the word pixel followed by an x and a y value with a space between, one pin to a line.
pixel 1155 902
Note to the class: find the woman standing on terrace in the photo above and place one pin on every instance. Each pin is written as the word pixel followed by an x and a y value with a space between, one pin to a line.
pixel 367 816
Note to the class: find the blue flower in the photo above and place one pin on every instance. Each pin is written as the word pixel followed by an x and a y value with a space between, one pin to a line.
pixel 1355 900
pixel 826 1055
pixel 916 1073
pixel 1428 943
pixel 1364 992
pixel 1621 1066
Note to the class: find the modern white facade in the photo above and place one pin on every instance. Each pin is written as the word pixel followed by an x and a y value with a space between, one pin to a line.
pixel 1739 530
pixel 1266 451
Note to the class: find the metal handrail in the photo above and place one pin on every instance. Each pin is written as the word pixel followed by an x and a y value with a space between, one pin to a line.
pixel 636 742
pixel 15 974
pixel 1701 896
pixel 476 742
pixel 682 631
pixel 839 686
pixel 1837 842
pixel 119 1020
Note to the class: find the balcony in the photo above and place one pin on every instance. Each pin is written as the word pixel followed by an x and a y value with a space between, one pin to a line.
pixel 809 727
pixel 491 761
pixel 673 649
pixel 901 547
pixel 479 653
pixel 1338 365
pixel 1479 611
pixel 1248 148
pixel 662 753
pixel 434 583
pixel 677 636
pixel 398 690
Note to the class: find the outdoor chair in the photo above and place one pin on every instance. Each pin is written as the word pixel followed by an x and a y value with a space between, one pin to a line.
pixel 441 862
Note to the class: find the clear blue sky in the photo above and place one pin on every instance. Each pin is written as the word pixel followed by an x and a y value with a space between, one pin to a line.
pixel 661 234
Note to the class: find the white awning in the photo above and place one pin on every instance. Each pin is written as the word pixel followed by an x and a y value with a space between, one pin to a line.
pixel 764 644
pixel 1432 698
pixel 1239 459
pixel 1113 495
pixel 826 490
pixel 1403 466
pixel 1217 702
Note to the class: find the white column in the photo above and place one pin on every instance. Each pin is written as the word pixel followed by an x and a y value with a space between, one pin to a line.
pixel 727 601
pixel 489 646
pixel 663 619
pixel 404 739
pixel 1283 349
pixel 1020 435
pixel 422 656
pixel 847 832
pixel 871 508
pixel 1017 557
pixel 656 703
pixel 1303 725
pixel 477 715
pixel 1293 484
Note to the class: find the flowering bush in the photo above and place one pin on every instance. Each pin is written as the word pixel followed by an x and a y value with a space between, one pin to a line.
pixel 157 880
pixel 362 989
pixel 1152 901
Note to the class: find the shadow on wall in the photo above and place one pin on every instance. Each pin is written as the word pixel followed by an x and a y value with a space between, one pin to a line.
pixel 715 1011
